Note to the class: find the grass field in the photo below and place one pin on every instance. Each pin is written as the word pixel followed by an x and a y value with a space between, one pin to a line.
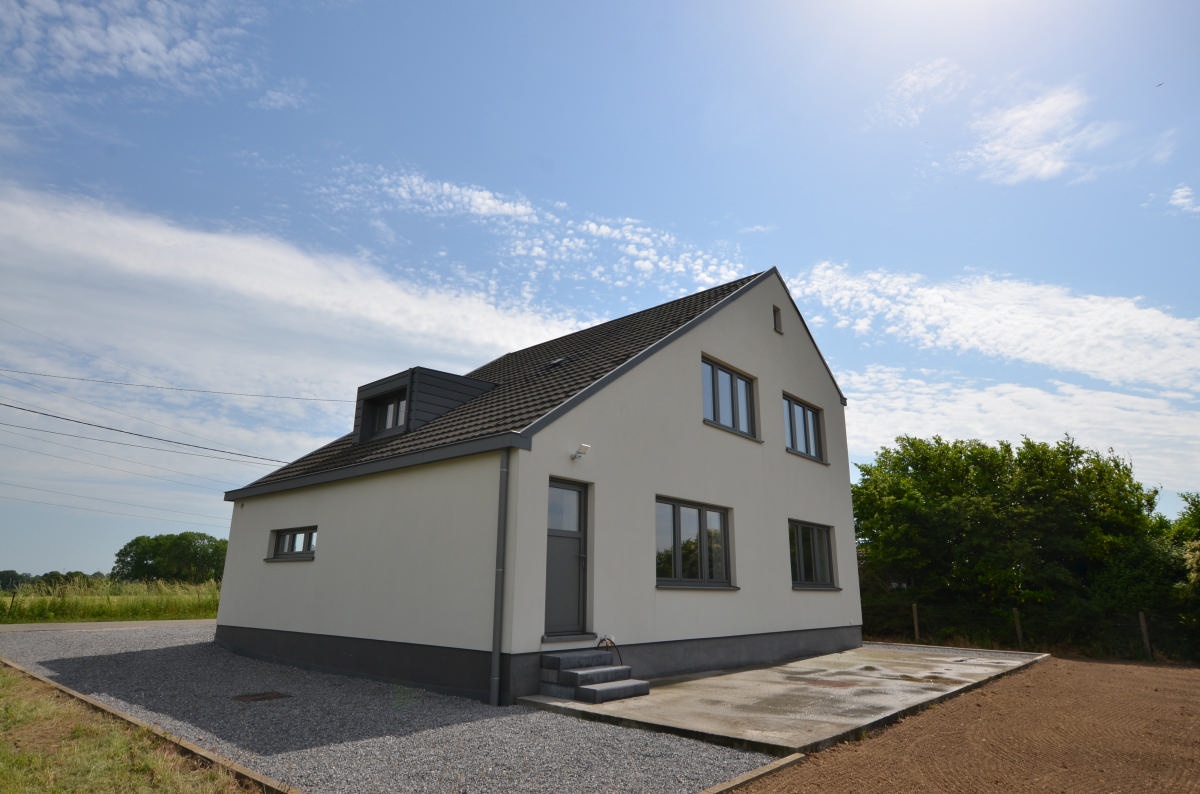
pixel 50 742
pixel 91 599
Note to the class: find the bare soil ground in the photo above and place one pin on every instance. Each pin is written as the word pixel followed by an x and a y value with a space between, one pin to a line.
pixel 1060 725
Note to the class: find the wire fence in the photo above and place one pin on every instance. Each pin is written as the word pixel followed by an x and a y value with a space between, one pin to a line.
pixel 1130 634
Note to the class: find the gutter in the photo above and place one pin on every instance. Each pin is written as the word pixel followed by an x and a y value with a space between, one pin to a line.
pixel 498 597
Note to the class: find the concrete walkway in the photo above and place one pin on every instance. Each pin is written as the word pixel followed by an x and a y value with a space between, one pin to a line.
pixel 805 705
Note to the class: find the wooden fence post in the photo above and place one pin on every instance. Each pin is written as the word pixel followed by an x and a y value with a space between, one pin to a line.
pixel 916 624
pixel 1017 621
pixel 1145 635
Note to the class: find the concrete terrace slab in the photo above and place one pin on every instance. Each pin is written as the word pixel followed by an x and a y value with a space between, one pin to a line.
pixel 803 705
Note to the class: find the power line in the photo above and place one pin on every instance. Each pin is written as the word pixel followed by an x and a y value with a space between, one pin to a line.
pixel 175 388
pixel 118 468
pixel 40 387
pixel 137 446
pixel 111 512
pixel 141 435
pixel 111 501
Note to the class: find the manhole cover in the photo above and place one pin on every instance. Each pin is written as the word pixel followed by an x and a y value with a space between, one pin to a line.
pixel 256 696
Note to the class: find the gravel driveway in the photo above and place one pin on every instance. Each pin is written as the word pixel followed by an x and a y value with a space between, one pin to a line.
pixel 332 733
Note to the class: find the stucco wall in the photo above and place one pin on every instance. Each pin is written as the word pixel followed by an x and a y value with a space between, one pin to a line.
pixel 373 575
pixel 648 439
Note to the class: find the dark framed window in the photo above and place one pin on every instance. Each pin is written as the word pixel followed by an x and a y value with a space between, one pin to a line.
pixel 728 398
pixel 386 413
pixel 802 426
pixel 293 544
pixel 811 547
pixel 692 543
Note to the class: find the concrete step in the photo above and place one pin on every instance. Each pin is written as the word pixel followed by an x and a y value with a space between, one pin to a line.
pixel 556 690
pixel 594 675
pixel 612 690
pixel 567 660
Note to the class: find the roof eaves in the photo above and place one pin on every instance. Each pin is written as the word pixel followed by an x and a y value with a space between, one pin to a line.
pixel 459 449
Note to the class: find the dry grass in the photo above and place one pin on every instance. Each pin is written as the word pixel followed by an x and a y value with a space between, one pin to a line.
pixel 87 599
pixel 50 742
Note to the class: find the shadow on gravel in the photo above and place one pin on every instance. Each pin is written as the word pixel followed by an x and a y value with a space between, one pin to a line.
pixel 289 709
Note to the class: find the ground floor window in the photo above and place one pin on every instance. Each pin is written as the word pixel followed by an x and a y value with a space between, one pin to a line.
pixel 692 543
pixel 293 544
pixel 811 548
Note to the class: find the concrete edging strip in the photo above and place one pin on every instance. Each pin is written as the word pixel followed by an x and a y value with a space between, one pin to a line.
pixel 755 774
pixel 190 748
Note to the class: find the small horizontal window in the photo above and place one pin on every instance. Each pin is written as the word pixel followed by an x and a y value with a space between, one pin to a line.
pixel 293 544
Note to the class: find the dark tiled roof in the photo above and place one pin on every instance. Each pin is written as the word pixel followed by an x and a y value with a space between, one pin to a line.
pixel 530 385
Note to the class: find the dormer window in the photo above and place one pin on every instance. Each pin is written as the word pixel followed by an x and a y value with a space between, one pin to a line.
pixel 388 412
pixel 409 400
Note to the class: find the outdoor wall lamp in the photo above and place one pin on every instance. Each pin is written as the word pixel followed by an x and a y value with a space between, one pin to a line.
pixel 583 450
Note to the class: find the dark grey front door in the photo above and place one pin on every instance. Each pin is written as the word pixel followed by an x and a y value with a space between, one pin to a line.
pixel 566 558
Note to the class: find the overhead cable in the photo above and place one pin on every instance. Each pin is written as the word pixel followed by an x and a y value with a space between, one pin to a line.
pixel 136 446
pixel 175 388
pixel 141 435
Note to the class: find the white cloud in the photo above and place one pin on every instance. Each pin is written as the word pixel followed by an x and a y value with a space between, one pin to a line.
pixel 1182 198
pixel 536 241
pixel 1113 339
pixel 912 94
pixel 232 311
pixel 181 44
pixel 288 95
pixel 885 402
pixel 1041 139
pixel 377 189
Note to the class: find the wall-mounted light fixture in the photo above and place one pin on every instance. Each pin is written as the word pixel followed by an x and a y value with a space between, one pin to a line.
pixel 583 450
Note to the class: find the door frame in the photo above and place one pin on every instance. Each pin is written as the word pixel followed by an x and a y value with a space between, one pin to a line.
pixel 581 539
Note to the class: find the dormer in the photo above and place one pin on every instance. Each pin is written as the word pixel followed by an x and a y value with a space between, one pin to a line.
pixel 407 400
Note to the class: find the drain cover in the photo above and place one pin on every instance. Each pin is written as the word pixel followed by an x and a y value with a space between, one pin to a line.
pixel 256 696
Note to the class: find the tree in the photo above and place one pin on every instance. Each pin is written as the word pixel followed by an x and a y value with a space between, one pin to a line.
pixel 976 527
pixel 186 557
pixel 10 579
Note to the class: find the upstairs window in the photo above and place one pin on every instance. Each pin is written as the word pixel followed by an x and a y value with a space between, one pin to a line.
pixel 728 398
pixel 802 425
pixel 692 544
pixel 388 412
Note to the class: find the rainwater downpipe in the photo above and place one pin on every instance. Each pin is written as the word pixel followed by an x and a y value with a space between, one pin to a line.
pixel 498 598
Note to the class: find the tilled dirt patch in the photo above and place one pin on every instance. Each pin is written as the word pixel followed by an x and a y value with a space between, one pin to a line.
pixel 1059 725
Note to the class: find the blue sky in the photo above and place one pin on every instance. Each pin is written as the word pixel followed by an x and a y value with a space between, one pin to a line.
pixel 988 212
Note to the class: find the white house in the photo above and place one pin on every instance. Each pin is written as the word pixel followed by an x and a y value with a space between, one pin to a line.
pixel 676 480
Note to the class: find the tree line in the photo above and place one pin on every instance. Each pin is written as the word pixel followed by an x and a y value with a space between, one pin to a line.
pixel 191 557
pixel 1064 534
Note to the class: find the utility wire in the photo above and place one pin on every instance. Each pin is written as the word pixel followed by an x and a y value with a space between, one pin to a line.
pixel 110 501
pixel 118 468
pixel 138 446
pixel 140 435
pixel 112 512
pixel 40 387
pixel 175 388
pixel 222 483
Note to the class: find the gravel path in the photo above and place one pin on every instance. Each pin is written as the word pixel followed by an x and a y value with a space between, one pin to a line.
pixel 334 733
